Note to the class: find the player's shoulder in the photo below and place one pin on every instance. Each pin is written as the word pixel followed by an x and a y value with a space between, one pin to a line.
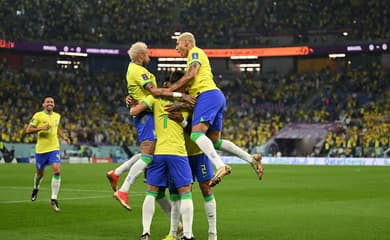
pixel 56 114
pixel 39 114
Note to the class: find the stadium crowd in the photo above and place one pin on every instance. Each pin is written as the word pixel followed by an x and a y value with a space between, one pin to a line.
pixel 120 22
pixel 92 104
pixel 93 110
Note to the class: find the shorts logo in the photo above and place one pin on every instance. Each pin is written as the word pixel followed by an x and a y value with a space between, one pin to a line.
pixel 195 55
pixel 144 77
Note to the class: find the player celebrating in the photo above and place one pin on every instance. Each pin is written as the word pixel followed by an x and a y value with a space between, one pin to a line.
pixel 140 83
pixel 209 108
pixel 46 124
pixel 170 159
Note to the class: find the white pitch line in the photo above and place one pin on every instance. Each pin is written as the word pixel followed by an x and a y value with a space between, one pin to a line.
pixel 62 199
pixel 66 190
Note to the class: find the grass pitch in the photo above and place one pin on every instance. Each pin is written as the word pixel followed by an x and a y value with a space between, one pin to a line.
pixel 292 202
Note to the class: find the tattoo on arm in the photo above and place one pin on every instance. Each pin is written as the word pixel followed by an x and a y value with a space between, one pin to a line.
pixel 193 67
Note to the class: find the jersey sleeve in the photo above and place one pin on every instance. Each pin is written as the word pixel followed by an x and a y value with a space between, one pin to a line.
pixel 34 120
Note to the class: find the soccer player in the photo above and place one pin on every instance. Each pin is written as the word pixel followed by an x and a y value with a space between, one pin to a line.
pixel 208 111
pixel 47 124
pixel 202 171
pixel 140 83
pixel 170 159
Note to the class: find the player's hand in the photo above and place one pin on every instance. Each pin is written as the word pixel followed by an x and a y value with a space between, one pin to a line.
pixel 45 127
pixel 130 101
pixel 176 116
pixel 190 99
pixel 174 106
pixel 67 140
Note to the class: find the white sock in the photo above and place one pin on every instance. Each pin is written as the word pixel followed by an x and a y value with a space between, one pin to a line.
pixel 165 205
pixel 134 172
pixel 37 181
pixel 127 165
pixel 211 213
pixel 55 186
pixel 230 147
pixel 175 218
pixel 147 213
pixel 187 215
pixel 206 145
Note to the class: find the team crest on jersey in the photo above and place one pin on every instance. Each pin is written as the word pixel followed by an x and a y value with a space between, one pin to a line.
pixel 195 55
pixel 144 77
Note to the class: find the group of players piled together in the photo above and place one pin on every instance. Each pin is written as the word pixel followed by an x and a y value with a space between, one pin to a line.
pixel 179 131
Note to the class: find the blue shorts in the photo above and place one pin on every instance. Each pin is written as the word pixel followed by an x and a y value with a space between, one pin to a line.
pixel 201 167
pixel 166 167
pixel 144 123
pixel 44 159
pixel 209 107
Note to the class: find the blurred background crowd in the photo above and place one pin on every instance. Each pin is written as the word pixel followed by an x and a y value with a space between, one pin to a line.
pixel 230 23
pixel 259 105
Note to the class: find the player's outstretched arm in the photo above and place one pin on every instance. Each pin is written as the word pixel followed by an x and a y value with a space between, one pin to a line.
pixel 188 76
pixel 137 109
pixel 165 92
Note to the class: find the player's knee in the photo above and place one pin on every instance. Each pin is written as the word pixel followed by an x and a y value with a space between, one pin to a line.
pixel 195 135
pixel 217 144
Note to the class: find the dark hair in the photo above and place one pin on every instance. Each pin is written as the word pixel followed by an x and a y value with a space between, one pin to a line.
pixel 47 96
pixel 175 76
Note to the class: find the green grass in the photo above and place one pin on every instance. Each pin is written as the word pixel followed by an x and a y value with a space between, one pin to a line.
pixel 292 202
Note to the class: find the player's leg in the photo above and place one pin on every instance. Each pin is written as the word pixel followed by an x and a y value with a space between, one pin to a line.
pixel 55 162
pixel 230 147
pixel 40 165
pixel 148 208
pixel 210 206
pixel 157 173
pixel 147 139
pixel 204 117
pixel 163 201
pixel 202 169
pixel 135 171
pixel 113 175
pixel 175 226
pixel 181 175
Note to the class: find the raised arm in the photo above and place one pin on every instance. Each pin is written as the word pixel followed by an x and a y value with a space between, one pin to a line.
pixel 190 74
pixel 166 92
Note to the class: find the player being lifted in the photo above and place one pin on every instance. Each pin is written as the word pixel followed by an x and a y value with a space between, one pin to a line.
pixel 209 108
pixel 140 84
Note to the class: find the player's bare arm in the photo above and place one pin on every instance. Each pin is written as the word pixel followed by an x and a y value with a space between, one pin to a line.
pixel 176 106
pixel 63 136
pixel 178 117
pixel 166 92
pixel 137 109
pixel 33 129
pixel 130 101
pixel 190 74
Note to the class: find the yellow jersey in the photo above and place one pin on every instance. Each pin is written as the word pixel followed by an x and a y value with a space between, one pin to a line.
pixel 47 141
pixel 137 78
pixel 191 147
pixel 170 134
pixel 204 79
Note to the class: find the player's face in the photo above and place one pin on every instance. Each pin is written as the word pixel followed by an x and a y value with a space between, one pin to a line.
pixel 48 104
pixel 182 47
pixel 145 58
